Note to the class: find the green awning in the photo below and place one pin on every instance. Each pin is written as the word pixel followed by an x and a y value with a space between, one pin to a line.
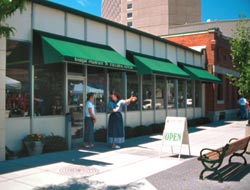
pixel 153 65
pixel 198 73
pixel 56 51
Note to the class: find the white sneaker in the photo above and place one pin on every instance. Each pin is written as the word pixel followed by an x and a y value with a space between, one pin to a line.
pixel 116 147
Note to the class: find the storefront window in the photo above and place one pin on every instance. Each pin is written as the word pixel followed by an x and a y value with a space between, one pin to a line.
pixel 49 89
pixel 189 101
pixel 197 94
pixel 17 78
pixel 159 93
pixel 132 90
pixel 147 92
pixel 181 94
pixel 76 69
pixel 115 82
pixel 96 84
pixel 171 94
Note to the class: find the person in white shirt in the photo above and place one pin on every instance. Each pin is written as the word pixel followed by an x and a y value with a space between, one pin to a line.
pixel 89 121
pixel 243 106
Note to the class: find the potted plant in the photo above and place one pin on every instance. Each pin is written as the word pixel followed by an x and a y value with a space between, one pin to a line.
pixel 34 143
pixel 54 143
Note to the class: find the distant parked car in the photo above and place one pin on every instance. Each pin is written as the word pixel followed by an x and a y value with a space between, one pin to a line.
pixel 147 104
pixel 189 102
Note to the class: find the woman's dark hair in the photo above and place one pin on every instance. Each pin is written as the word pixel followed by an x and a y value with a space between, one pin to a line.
pixel 90 95
pixel 116 94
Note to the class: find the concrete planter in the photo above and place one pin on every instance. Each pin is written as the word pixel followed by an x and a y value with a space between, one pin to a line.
pixel 34 147
pixel 7 113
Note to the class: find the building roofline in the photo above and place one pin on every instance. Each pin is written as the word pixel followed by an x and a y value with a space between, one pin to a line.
pixel 191 32
pixel 206 23
pixel 105 21
pixel 215 29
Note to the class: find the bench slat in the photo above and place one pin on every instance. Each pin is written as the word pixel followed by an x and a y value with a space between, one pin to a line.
pixel 237 145
pixel 233 147
pixel 213 159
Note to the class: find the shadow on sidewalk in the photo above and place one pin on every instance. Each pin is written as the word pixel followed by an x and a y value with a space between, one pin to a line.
pixel 232 172
pixel 192 129
pixel 186 177
pixel 218 123
pixel 84 184
pixel 74 157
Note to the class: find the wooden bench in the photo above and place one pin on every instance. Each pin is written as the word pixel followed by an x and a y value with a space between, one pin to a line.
pixel 212 159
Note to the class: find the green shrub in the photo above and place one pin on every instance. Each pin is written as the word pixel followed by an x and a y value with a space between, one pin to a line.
pixel 130 132
pixel 9 154
pixel 54 143
pixel 143 130
pixel 198 121
pixel 157 128
pixel 101 135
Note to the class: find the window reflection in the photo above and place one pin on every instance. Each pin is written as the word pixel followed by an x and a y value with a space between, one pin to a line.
pixel 189 101
pixel 132 90
pixel 17 78
pixel 171 93
pixel 75 92
pixel 147 92
pixel 197 94
pixel 48 97
pixel 96 84
pixel 159 94
pixel 75 103
pixel 181 94
pixel 115 81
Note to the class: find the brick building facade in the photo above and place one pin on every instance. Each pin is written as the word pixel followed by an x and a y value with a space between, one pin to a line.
pixel 221 99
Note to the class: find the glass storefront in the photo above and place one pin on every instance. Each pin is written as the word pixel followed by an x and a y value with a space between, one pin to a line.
pixel 115 82
pixel 189 101
pixel 96 84
pixel 171 94
pixel 198 94
pixel 181 94
pixel 49 89
pixel 159 93
pixel 49 86
pixel 17 81
pixel 75 105
pixel 132 90
pixel 147 85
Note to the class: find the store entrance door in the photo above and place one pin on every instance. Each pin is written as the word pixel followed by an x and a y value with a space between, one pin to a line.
pixel 76 97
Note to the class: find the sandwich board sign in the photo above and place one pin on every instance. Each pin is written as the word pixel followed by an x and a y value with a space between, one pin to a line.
pixel 175 133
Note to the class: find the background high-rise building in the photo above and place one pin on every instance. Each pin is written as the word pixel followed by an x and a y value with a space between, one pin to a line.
pixel 111 10
pixel 153 16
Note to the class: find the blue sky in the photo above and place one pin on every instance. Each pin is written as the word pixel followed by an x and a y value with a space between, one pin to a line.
pixel 210 9
pixel 89 6
pixel 224 9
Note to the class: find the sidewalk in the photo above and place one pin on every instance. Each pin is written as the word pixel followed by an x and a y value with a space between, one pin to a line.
pixel 136 166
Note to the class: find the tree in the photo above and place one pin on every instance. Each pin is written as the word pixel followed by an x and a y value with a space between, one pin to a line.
pixel 7 9
pixel 240 54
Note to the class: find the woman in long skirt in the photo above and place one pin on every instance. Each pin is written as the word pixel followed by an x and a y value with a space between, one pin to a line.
pixel 115 124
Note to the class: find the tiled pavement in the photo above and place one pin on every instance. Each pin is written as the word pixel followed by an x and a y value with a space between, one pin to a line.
pixel 135 166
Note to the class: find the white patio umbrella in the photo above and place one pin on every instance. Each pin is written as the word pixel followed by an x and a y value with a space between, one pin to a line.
pixel 12 83
pixel 79 87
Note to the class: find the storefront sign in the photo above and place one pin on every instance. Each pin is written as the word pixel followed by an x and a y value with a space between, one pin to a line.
pixel 175 133
pixel 100 63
